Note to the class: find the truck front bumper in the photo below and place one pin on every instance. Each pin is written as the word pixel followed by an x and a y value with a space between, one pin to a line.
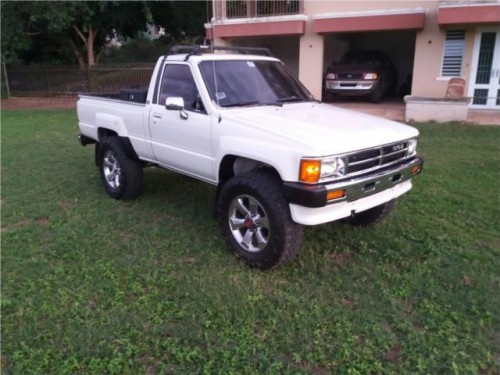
pixel 351 87
pixel 310 204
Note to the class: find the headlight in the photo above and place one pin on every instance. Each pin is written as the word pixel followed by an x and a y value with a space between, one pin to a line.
pixel 332 167
pixel 331 76
pixel 313 170
pixel 372 76
pixel 412 146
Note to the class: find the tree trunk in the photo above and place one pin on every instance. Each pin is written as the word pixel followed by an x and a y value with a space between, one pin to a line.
pixel 79 55
pixel 88 41
pixel 90 46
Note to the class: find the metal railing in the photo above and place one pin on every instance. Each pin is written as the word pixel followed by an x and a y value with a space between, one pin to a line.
pixel 260 8
pixel 70 81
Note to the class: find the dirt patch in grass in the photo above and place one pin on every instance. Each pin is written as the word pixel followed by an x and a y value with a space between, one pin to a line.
pixel 340 259
pixel 38 103
pixel 42 221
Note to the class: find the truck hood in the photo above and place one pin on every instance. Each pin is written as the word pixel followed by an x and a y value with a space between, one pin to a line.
pixel 321 128
pixel 360 68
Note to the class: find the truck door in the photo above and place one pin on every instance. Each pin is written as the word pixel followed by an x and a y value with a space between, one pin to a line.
pixel 181 140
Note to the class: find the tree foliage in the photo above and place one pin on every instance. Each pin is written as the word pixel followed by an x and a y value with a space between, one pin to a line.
pixel 43 31
pixel 33 29
pixel 182 20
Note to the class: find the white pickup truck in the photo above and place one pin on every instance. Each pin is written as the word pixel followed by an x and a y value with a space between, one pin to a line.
pixel 240 121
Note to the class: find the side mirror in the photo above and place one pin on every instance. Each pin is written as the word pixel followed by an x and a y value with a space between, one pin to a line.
pixel 174 104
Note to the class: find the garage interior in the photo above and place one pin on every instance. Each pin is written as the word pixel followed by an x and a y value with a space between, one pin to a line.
pixel 398 45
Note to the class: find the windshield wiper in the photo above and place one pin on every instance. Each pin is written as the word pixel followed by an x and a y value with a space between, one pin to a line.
pixel 244 104
pixel 289 99
pixel 271 103
pixel 239 104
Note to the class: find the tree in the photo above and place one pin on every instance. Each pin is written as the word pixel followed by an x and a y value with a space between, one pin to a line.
pixel 40 31
pixel 182 20
pixel 80 25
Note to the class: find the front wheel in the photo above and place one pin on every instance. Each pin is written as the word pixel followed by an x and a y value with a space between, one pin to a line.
pixel 121 175
pixel 255 220
pixel 328 96
pixel 377 95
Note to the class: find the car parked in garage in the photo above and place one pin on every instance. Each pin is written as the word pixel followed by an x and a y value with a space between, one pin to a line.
pixel 362 73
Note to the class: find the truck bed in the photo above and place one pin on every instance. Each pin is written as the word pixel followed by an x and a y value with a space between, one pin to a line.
pixel 129 95
pixel 124 117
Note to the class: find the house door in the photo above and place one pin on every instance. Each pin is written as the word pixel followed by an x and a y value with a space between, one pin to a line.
pixel 485 74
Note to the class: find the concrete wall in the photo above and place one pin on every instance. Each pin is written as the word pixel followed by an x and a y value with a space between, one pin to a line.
pixel 311 61
pixel 424 109
pixel 427 80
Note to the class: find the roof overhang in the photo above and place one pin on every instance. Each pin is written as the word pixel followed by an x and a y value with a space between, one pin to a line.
pixel 486 13
pixel 379 20
pixel 265 26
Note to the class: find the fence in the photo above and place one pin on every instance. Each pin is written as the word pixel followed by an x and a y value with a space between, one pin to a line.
pixel 70 81
pixel 262 8
pixel 4 87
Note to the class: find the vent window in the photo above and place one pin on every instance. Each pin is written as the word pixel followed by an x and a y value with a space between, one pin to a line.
pixel 453 53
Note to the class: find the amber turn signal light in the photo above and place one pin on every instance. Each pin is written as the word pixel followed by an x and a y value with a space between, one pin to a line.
pixel 309 170
pixel 335 194
pixel 416 169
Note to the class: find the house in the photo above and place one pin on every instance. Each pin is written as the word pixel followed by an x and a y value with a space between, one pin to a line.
pixel 429 41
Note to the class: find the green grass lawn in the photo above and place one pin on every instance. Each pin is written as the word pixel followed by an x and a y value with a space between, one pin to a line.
pixel 91 285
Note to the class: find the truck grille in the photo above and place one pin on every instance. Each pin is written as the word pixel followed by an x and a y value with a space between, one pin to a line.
pixel 368 160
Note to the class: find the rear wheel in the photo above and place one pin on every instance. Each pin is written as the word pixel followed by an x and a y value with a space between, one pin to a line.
pixel 371 216
pixel 121 175
pixel 255 220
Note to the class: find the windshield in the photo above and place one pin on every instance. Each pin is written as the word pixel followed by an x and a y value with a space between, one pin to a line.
pixel 233 83
pixel 353 58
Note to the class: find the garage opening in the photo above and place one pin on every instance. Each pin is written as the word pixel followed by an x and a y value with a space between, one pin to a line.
pixel 350 82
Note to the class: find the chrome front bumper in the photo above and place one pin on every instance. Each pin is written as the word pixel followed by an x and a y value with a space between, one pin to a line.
pixel 315 196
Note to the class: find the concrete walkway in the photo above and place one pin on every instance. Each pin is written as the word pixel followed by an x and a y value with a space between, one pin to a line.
pixel 391 109
pixel 484 116
pixel 394 109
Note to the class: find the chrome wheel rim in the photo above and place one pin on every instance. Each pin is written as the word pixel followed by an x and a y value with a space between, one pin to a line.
pixel 249 223
pixel 112 170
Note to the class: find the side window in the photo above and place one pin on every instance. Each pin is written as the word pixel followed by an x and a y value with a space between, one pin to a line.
pixel 177 81
pixel 453 53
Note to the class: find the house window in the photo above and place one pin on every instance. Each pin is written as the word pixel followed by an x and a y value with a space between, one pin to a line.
pixel 453 53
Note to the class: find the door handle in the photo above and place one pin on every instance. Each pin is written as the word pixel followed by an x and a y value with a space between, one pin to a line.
pixel 156 115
